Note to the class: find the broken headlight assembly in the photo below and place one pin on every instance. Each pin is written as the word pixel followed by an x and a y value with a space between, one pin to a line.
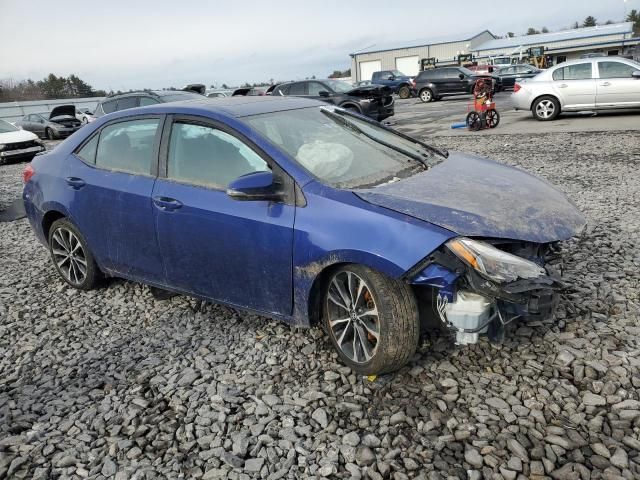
pixel 492 263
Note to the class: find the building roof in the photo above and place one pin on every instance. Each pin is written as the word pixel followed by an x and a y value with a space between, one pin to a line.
pixel 562 36
pixel 419 43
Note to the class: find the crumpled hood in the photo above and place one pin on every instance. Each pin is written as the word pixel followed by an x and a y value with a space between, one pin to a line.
pixel 477 197
pixel 61 110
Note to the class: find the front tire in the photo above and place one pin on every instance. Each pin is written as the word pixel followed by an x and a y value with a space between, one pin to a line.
pixel 404 92
pixel 372 320
pixel 48 133
pixel 426 95
pixel 545 108
pixel 71 255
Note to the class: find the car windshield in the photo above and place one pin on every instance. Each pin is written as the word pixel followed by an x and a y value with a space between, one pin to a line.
pixel 6 127
pixel 397 73
pixel 338 86
pixel 177 96
pixel 342 150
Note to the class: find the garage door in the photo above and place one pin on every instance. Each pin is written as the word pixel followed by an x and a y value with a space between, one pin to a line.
pixel 407 65
pixel 367 69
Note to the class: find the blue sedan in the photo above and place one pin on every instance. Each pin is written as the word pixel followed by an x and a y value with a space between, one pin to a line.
pixel 303 212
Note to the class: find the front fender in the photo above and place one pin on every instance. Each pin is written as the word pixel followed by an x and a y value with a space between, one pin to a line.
pixel 338 227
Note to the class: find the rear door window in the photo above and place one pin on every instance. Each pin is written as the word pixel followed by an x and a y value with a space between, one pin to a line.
pixel 299 88
pixel 580 71
pixel 615 70
pixel 128 146
pixel 88 150
pixel 203 155
pixel 128 102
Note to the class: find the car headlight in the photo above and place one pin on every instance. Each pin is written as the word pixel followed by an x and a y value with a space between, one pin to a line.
pixel 493 263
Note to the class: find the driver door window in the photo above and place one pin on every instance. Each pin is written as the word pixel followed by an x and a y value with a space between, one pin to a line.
pixel 203 155
pixel 315 88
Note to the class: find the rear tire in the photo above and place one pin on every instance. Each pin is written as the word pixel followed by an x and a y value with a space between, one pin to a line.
pixel 426 95
pixel 545 108
pixel 372 320
pixel 71 255
pixel 404 92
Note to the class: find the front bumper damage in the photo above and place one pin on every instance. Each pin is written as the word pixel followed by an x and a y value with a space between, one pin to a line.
pixel 470 305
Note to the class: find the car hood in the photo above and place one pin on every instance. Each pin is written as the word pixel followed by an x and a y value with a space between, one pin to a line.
pixel 61 110
pixel 17 136
pixel 477 197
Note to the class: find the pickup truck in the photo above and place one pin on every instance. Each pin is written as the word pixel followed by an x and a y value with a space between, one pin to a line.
pixel 397 81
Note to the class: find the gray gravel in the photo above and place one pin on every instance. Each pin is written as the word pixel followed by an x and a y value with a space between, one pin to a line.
pixel 115 384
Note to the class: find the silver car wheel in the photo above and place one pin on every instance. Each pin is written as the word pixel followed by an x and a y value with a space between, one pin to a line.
pixel 425 95
pixel 353 316
pixel 545 109
pixel 69 256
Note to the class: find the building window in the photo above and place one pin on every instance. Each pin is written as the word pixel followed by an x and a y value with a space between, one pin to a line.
pixel 612 53
pixel 561 58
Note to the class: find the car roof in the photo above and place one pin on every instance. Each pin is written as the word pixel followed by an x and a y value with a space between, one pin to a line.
pixel 228 106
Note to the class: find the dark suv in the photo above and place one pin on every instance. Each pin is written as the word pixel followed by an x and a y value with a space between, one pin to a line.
pixel 122 101
pixel 375 101
pixel 435 83
pixel 397 81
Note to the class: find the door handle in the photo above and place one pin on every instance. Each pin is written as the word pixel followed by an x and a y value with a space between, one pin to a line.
pixel 167 203
pixel 563 85
pixel 605 84
pixel 75 182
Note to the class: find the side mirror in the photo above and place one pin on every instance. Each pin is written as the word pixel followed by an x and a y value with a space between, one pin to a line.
pixel 635 74
pixel 255 186
pixel 392 77
pixel 323 93
pixel 461 76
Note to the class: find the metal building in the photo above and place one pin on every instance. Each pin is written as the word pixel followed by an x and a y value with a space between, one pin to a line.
pixel 406 56
pixel 614 39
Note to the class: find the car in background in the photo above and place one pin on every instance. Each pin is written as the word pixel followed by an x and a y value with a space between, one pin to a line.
pixel 482 69
pixel 250 91
pixel 217 94
pixel 397 81
pixel 374 101
pixel 84 114
pixel 598 83
pixel 58 123
pixel 438 82
pixel 124 101
pixel 509 75
pixel 307 213
pixel 363 83
pixel 17 144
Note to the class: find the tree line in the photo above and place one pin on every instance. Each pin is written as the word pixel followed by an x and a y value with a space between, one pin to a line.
pixel 50 87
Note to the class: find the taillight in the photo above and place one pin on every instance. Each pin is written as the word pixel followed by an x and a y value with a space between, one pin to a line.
pixel 27 173
pixel 516 87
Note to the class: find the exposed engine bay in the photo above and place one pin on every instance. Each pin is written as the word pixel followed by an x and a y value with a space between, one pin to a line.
pixel 480 286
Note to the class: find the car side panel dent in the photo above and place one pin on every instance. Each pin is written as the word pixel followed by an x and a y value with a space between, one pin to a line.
pixel 378 238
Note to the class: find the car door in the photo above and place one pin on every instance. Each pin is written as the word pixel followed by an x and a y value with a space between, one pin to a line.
pixel 234 252
pixel 575 86
pixel 314 89
pixel 616 86
pixel 111 183
pixel 38 124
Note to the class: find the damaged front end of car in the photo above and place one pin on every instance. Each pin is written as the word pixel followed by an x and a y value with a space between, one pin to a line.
pixel 474 287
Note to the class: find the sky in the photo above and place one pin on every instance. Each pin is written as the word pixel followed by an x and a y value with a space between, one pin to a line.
pixel 118 45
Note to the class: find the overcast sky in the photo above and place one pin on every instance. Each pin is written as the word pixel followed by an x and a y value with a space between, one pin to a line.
pixel 135 44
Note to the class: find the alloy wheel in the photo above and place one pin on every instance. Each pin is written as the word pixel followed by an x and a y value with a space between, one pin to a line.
pixel 69 255
pixel 353 316
pixel 545 109
pixel 425 96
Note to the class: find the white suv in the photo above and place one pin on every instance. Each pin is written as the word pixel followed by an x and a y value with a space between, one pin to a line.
pixel 587 84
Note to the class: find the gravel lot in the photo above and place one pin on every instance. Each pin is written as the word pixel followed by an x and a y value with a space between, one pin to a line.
pixel 113 383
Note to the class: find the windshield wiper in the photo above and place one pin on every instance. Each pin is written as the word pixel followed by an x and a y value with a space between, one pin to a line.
pixel 438 151
pixel 352 126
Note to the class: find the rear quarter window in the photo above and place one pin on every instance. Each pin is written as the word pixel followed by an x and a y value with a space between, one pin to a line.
pixel 109 106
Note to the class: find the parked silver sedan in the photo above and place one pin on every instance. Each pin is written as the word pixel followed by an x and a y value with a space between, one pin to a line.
pixel 587 84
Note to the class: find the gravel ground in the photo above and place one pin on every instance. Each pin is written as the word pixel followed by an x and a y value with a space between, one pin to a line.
pixel 115 384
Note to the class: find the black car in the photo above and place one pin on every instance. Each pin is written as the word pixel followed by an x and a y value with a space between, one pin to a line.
pixel 122 101
pixel 508 75
pixel 435 83
pixel 374 101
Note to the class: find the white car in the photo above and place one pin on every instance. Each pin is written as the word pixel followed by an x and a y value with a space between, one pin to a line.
pixel 84 114
pixel 586 84
pixel 17 144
